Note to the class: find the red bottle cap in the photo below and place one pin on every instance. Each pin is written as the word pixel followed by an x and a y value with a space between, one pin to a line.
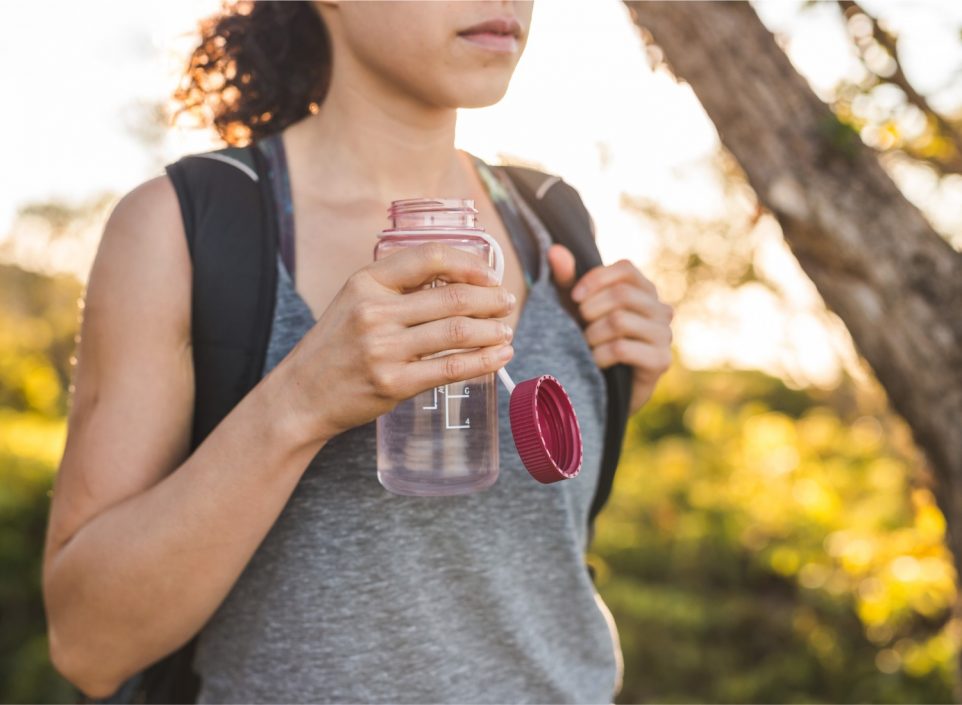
pixel 545 429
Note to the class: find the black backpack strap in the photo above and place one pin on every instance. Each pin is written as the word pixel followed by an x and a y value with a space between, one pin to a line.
pixel 229 219
pixel 230 222
pixel 560 208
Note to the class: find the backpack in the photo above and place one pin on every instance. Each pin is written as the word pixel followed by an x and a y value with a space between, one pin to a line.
pixel 229 215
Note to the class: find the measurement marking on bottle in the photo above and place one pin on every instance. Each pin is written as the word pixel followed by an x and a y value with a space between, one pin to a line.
pixel 435 406
pixel 448 396
pixel 466 392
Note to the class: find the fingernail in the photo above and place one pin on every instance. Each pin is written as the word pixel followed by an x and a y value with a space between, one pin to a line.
pixel 493 277
pixel 512 299
pixel 508 332
pixel 506 352
pixel 577 293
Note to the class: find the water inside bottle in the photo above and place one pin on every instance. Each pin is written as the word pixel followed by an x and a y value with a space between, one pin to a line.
pixel 442 441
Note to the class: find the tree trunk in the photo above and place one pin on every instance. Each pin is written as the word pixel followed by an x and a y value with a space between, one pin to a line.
pixel 874 258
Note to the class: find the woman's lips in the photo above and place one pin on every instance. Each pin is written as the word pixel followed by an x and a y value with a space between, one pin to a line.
pixel 504 43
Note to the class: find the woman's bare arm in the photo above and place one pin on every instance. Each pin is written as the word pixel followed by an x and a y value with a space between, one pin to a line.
pixel 137 556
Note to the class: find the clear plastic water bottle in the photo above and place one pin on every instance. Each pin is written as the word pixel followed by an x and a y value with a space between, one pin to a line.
pixel 443 441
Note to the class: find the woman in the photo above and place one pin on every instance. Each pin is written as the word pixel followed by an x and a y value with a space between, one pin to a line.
pixel 307 580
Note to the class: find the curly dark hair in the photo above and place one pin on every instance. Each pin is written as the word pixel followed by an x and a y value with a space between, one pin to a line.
pixel 260 66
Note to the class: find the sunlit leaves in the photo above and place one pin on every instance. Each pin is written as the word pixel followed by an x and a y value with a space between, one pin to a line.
pixel 38 321
pixel 801 515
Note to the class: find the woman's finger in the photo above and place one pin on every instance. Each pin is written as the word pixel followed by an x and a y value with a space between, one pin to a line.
pixel 457 367
pixel 637 354
pixel 452 333
pixel 627 296
pixel 413 267
pixel 454 300
pixel 601 277
pixel 624 323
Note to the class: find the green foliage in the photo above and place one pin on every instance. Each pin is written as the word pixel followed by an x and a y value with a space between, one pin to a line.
pixel 771 545
pixel 37 326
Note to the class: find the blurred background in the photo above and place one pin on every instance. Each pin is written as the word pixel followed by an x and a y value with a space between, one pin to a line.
pixel 773 534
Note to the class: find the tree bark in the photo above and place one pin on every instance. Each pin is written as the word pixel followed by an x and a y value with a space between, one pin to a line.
pixel 874 258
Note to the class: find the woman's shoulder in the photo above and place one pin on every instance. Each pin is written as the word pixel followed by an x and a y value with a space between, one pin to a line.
pixel 145 221
pixel 152 202
pixel 142 257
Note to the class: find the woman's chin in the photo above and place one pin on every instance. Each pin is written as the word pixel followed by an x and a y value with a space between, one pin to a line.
pixel 482 96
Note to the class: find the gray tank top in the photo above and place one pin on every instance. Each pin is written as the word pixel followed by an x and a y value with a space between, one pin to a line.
pixel 359 595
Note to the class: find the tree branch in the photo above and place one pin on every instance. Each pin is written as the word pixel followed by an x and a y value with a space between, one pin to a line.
pixel 945 130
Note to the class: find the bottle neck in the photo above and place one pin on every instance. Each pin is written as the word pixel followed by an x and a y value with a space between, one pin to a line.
pixel 413 214
pixel 421 213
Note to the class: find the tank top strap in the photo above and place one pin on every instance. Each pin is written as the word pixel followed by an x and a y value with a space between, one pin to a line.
pixel 535 228
pixel 273 148
pixel 530 251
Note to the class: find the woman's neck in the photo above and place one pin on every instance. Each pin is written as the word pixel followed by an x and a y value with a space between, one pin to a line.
pixel 374 144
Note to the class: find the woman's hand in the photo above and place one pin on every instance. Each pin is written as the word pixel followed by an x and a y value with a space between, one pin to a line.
pixel 623 319
pixel 364 355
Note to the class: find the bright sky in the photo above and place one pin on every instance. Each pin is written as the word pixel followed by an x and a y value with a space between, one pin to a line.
pixel 583 103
